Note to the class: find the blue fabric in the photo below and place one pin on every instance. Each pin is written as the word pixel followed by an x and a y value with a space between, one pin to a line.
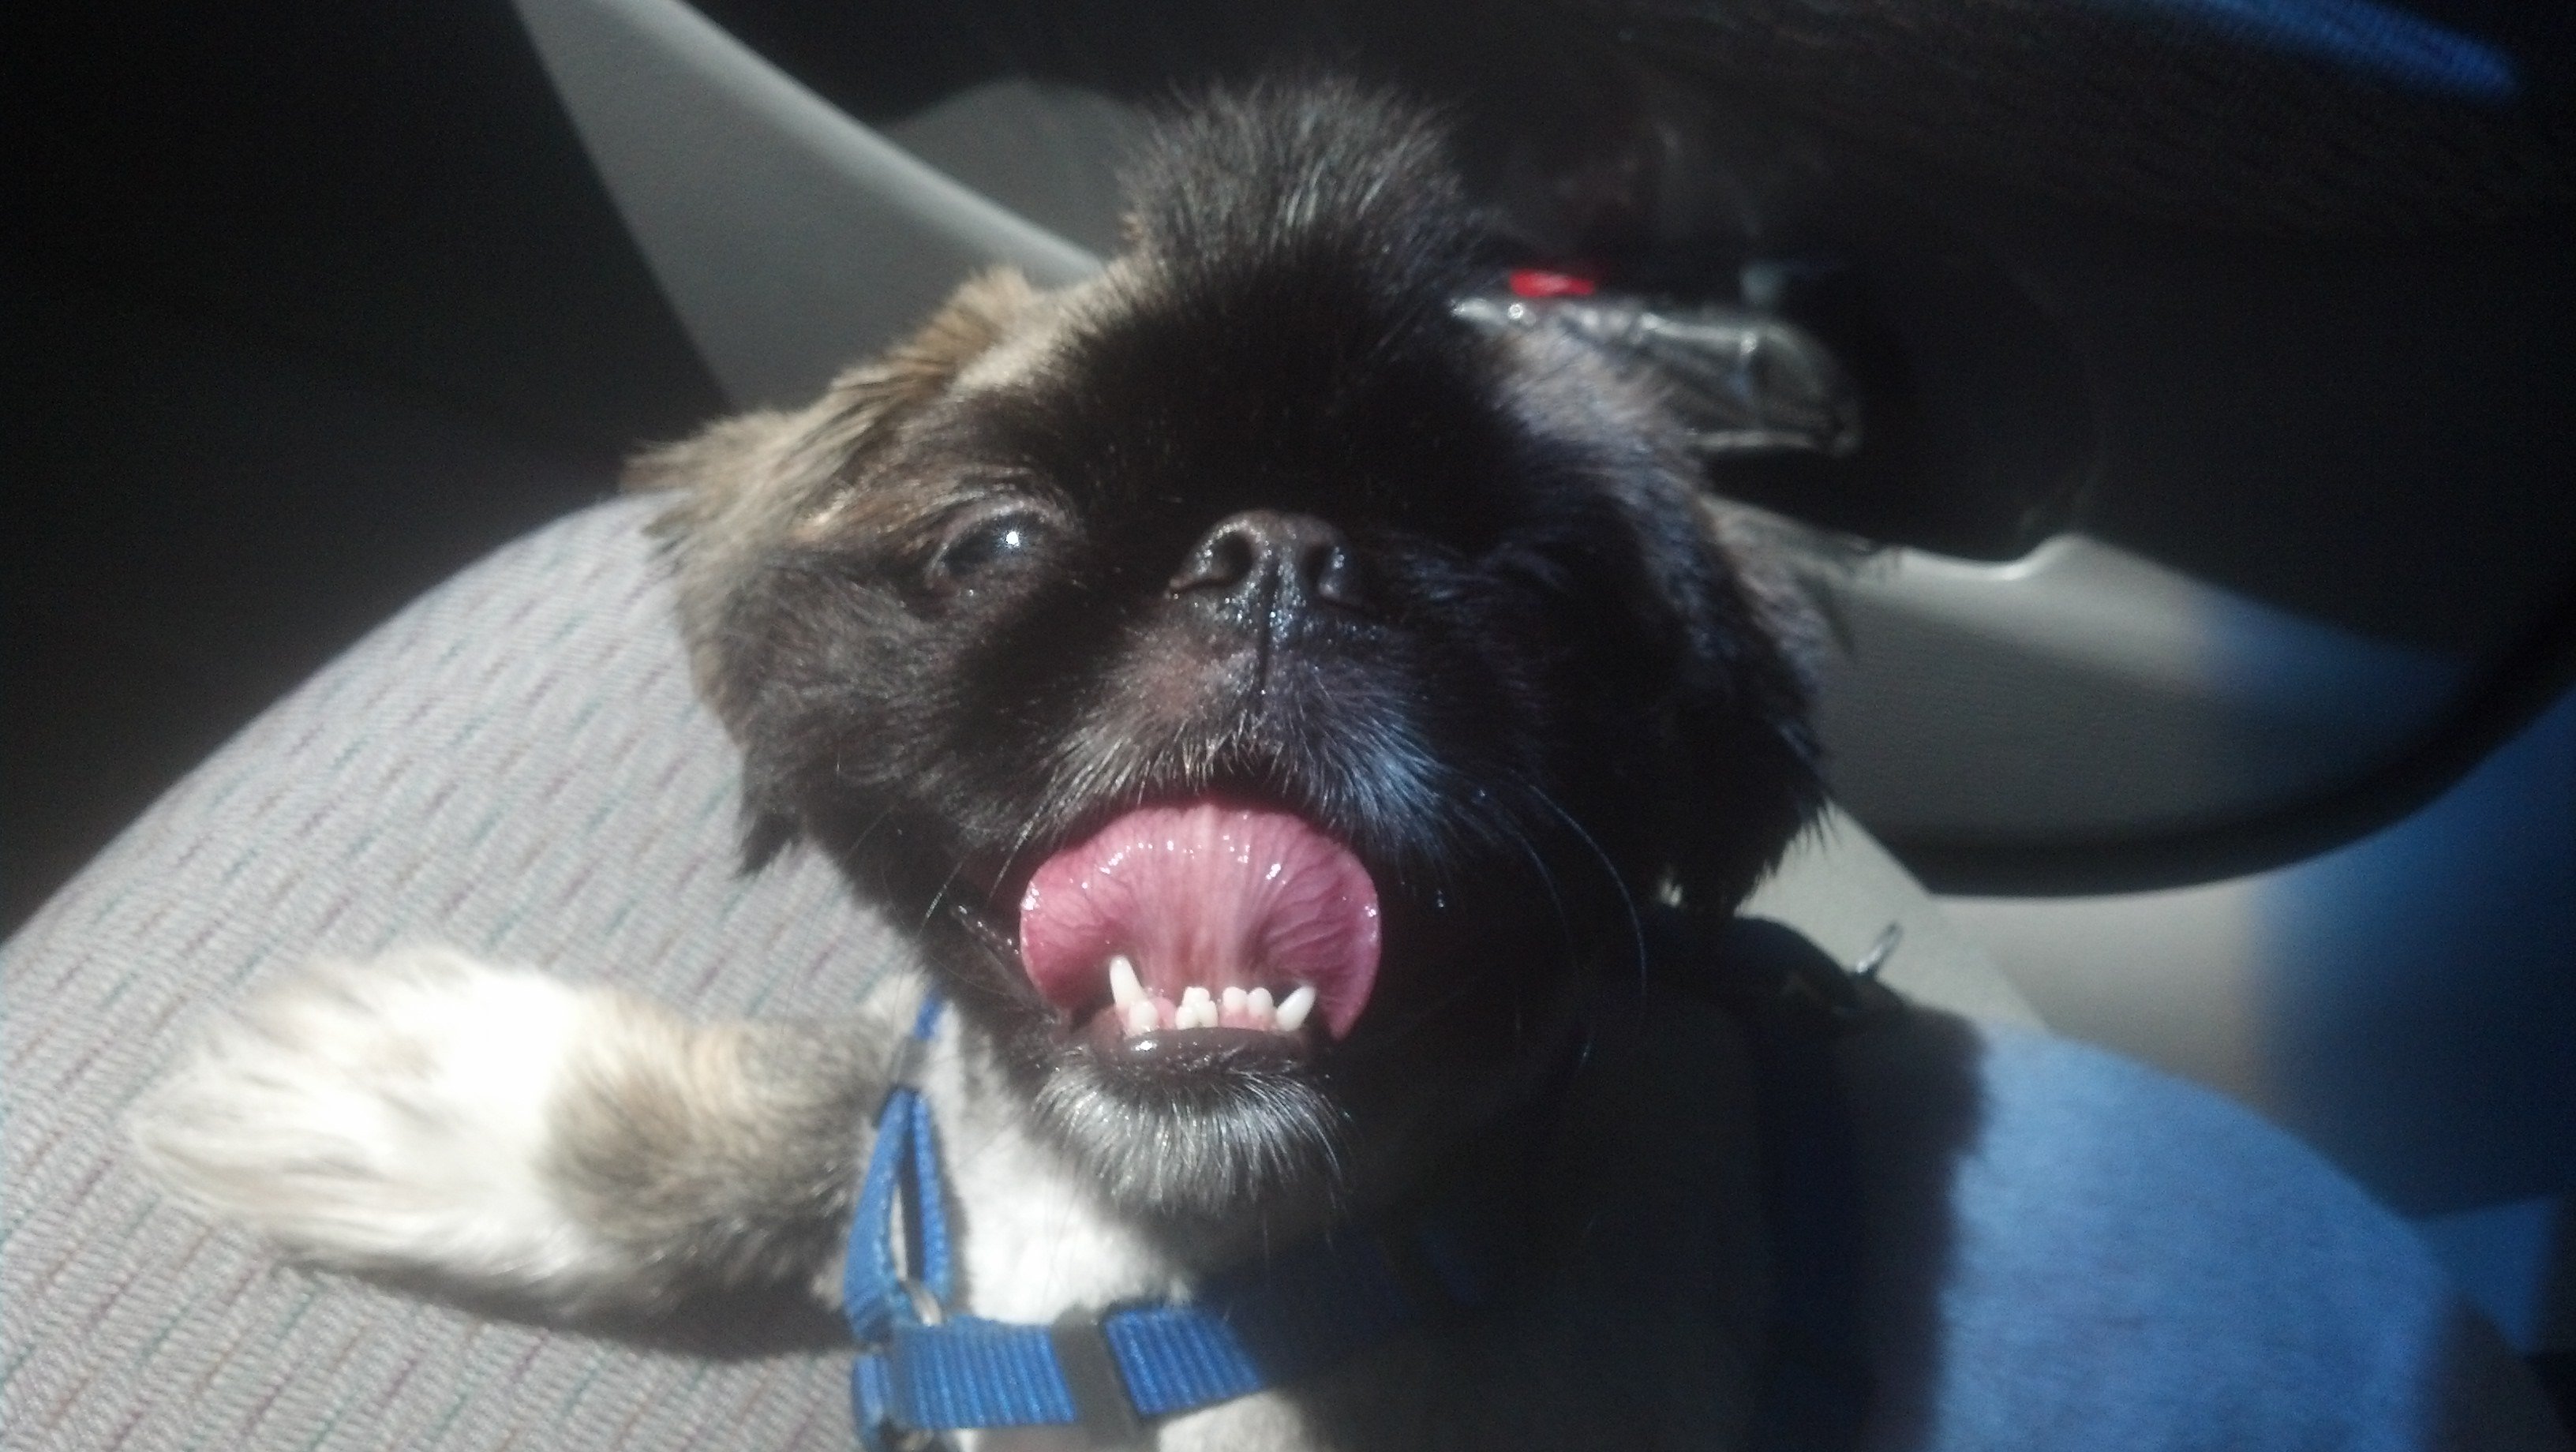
pixel 2193 1280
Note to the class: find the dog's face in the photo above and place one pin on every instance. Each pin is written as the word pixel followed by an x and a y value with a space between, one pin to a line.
pixel 1266 696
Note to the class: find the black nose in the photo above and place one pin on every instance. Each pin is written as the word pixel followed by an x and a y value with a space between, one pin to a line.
pixel 1269 566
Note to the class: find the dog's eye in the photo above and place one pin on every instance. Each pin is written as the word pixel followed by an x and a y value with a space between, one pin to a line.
pixel 986 542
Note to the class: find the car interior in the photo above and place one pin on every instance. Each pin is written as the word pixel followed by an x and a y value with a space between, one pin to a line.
pixel 2165 403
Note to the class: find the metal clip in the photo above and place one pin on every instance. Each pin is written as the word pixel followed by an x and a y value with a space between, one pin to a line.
pixel 925 1306
pixel 1090 1367
pixel 1879 952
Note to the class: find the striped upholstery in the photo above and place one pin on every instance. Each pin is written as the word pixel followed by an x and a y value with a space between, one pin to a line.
pixel 514 765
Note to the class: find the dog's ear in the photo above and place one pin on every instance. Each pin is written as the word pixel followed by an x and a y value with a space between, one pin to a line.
pixel 1741 752
pixel 740 490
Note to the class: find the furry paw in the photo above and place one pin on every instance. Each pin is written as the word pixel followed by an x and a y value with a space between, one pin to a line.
pixel 392 1115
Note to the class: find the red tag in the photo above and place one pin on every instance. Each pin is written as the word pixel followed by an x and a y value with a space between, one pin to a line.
pixel 1537 282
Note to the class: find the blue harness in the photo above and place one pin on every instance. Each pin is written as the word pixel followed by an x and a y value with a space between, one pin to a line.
pixel 921 1371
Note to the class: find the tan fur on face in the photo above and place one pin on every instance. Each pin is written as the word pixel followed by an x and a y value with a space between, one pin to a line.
pixel 752 482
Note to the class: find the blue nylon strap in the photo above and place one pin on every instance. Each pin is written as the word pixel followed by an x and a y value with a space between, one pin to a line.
pixel 970 1372
pixel 1272 1323
pixel 906 1155
pixel 1175 1358
pixel 1818 1388
pixel 920 1369
pixel 1299 1316
pixel 871 1400
pixel 875 1298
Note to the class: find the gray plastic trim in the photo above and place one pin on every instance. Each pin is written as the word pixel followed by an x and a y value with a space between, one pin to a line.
pixel 790 239
pixel 2084 693
pixel 1049 152
pixel 1843 891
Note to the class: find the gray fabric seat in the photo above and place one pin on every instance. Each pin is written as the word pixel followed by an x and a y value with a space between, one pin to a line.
pixel 514 765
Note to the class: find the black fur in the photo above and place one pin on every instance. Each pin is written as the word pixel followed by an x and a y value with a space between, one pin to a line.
pixel 940 618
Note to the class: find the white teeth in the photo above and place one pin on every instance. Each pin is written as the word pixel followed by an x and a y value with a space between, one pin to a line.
pixel 1138 1011
pixel 1294 1008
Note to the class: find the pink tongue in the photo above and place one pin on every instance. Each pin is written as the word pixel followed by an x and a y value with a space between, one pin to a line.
pixel 1210 896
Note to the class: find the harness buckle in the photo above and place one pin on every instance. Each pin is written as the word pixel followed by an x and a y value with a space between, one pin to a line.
pixel 904 1071
pixel 1101 1406
pixel 925 1306
pixel 1836 999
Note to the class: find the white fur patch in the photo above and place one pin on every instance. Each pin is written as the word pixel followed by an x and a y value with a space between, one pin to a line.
pixel 1034 1238
pixel 387 1115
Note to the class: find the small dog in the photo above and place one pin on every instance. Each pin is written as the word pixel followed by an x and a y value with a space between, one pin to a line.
pixel 1268 699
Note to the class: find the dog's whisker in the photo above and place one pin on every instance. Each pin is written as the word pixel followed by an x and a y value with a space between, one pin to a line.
pixel 1610 869
pixel 874 822
pixel 1425 1015
pixel 1019 844
pixel 1556 901
pixel 932 911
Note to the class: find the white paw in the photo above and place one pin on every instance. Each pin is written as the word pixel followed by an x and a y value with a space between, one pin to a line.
pixel 387 1115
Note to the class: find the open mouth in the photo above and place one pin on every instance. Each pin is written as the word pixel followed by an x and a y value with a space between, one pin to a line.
pixel 1208 923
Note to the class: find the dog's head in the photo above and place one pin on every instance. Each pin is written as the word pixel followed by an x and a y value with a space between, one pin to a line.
pixel 1267 696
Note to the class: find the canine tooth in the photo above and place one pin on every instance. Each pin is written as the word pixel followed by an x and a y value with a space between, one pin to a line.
pixel 1124 987
pixel 1139 1015
pixel 1293 1008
